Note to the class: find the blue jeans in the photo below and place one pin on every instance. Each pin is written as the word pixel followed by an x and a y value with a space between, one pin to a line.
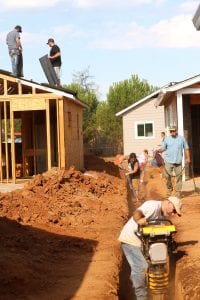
pixel 139 268
pixel 13 53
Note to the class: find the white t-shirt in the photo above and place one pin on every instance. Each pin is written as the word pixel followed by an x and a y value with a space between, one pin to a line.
pixel 151 210
pixel 141 158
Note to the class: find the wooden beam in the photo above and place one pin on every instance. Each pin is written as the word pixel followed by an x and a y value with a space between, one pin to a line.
pixel 58 131
pixel 1 164
pixel 3 99
pixel 12 131
pixel 31 96
pixel 190 91
pixel 19 89
pixel 5 86
pixel 33 90
pixel 6 141
pixel 61 134
pixel 9 78
pixel 34 144
pixel 48 135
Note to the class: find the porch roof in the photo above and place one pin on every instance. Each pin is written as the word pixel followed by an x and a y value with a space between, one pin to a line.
pixel 176 86
pixel 163 93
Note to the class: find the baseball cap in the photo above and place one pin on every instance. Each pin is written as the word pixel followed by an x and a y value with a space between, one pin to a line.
pixel 177 204
pixel 50 41
pixel 19 28
pixel 172 127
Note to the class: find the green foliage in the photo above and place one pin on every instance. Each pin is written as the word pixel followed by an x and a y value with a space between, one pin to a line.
pixel 100 125
pixel 127 92
pixel 107 124
pixel 89 114
pixel 120 96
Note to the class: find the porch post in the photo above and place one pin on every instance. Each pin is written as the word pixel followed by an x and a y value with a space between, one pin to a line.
pixel 180 113
pixel 180 123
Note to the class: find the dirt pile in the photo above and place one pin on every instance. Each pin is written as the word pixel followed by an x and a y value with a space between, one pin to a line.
pixel 59 235
pixel 59 197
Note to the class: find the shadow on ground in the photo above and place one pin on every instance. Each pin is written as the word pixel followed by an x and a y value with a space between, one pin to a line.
pixel 36 264
pixel 99 164
pixel 126 291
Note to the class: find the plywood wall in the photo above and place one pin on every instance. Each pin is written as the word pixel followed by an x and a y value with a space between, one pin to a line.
pixel 73 135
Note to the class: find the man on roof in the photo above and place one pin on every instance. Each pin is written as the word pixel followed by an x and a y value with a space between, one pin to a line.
pixel 13 42
pixel 55 57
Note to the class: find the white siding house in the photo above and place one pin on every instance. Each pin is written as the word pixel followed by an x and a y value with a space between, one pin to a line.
pixel 177 103
pixel 143 123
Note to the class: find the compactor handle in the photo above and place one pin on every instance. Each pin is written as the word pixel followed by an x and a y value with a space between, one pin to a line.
pixel 138 233
pixel 159 221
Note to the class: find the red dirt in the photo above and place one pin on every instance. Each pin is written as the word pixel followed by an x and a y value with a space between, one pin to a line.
pixel 59 235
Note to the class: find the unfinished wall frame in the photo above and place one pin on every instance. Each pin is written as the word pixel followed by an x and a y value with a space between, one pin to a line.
pixel 33 130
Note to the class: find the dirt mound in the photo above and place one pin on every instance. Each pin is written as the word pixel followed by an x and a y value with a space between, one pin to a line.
pixel 58 197
pixel 59 235
pixel 56 230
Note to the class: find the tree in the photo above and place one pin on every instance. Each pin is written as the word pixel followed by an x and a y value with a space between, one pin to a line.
pixel 120 96
pixel 127 92
pixel 107 124
pixel 100 125
pixel 86 92
pixel 85 80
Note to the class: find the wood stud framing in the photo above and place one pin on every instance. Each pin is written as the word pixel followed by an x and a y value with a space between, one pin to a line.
pixel 26 103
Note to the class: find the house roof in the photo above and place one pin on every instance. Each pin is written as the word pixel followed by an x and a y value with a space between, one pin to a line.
pixel 196 18
pixel 152 96
pixel 59 91
pixel 174 87
pixel 162 94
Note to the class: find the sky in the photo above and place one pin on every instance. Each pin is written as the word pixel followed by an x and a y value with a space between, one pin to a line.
pixel 114 39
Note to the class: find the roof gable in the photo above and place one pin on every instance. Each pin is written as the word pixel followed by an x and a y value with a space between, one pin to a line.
pixel 159 95
pixel 135 104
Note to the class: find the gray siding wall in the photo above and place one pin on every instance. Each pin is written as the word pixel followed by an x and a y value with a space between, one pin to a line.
pixel 143 113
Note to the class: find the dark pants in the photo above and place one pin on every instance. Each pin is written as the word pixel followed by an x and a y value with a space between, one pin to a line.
pixel 20 65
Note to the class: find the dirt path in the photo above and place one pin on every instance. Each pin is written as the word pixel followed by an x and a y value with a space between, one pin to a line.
pixel 59 236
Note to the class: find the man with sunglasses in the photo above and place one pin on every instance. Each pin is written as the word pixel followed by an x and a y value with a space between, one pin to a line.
pixel 174 145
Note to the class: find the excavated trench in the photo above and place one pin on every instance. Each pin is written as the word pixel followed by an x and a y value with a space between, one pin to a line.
pixel 126 291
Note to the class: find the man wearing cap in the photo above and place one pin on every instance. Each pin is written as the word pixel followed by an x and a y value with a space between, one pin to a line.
pixel 55 57
pixel 131 244
pixel 14 48
pixel 174 145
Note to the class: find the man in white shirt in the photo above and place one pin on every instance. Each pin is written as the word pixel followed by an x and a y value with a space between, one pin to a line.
pixel 131 244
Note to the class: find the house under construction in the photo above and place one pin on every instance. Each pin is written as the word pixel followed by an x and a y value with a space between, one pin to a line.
pixel 40 128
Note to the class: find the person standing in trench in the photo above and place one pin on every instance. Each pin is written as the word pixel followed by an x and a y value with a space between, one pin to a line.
pixel 173 147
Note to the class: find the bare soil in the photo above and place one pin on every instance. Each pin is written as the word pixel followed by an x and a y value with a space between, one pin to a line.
pixel 59 235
